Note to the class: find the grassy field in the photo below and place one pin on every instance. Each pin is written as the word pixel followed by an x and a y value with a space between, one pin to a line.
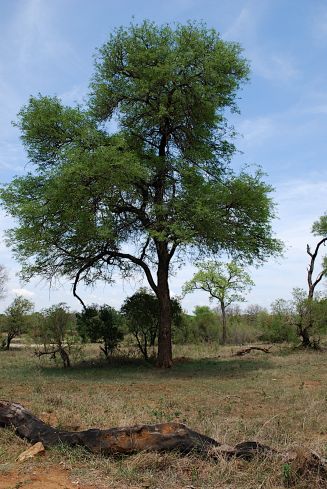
pixel 278 399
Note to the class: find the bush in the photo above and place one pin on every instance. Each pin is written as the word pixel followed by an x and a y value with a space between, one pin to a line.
pixel 55 329
pixel 101 324
pixel 141 312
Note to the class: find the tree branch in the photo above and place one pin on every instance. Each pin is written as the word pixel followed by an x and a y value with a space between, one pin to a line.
pixel 139 262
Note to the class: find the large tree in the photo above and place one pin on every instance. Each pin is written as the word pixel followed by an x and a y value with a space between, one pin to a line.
pixel 158 187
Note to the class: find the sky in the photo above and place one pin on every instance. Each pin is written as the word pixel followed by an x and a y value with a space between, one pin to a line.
pixel 48 47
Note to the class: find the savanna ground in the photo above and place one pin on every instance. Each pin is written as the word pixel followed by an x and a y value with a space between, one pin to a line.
pixel 279 399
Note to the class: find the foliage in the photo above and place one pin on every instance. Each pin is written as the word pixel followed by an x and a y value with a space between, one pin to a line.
pixel 101 324
pixel 55 332
pixel 162 181
pixel 142 313
pixel 225 282
pixel 205 321
pixel 16 319
pixel 276 327
pixel 309 317
pixel 295 318
pixel 307 305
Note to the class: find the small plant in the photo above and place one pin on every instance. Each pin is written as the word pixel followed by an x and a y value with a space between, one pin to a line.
pixel 287 475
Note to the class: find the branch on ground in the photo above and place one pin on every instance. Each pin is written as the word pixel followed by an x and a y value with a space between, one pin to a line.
pixel 159 437
pixel 241 353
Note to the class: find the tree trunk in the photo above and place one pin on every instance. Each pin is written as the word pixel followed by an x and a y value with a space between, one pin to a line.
pixel 8 342
pixel 306 342
pixel 65 357
pixel 224 322
pixel 165 355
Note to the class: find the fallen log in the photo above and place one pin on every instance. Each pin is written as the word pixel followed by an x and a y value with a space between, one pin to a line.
pixel 126 440
pixel 158 437
pixel 240 353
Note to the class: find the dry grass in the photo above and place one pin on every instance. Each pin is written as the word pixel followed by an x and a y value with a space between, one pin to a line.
pixel 278 399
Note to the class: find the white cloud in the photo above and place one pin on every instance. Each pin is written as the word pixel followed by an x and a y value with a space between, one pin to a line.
pixel 242 26
pixel 23 292
pixel 319 24
pixel 34 33
pixel 255 131
pixel 274 67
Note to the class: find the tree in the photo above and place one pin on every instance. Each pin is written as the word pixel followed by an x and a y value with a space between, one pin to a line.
pixel 309 317
pixel 225 282
pixel 3 281
pixel 319 228
pixel 142 311
pixel 205 321
pixel 101 324
pixel 158 188
pixel 306 306
pixel 16 319
pixel 57 334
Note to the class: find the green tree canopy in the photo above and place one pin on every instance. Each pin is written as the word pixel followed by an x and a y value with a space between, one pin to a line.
pixel 16 319
pixel 159 187
pixel 55 332
pixel 101 324
pixel 225 282
pixel 142 312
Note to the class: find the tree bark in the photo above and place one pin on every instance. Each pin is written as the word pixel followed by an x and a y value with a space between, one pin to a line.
pixel 306 342
pixel 162 437
pixel 165 355
pixel 127 440
pixel 8 342
pixel 64 357
pixel 224 322
pixel 313 283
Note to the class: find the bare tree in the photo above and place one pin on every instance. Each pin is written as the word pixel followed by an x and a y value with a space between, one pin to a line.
pixel 305 305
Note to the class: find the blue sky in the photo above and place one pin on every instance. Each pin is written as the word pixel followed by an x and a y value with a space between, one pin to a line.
pixel 48 46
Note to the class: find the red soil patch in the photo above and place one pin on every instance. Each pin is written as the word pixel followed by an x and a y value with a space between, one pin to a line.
pixel 41 478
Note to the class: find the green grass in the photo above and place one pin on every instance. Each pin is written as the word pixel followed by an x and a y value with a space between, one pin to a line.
pixel 278 399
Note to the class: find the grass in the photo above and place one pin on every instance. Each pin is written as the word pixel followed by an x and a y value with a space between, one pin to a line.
pixel 278 399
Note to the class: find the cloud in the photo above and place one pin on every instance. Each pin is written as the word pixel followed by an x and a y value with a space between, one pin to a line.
pixel 34 33
pixel 275 67
pixel 75 95
pixel 271 65
pixel 244 26
pixel 319 24
pixel 23 292
pixel 255 131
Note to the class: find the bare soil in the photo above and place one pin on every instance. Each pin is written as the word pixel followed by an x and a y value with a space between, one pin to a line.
pixel 41 478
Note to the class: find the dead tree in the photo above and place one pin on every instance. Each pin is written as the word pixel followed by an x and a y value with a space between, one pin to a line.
pixel 311 282
pixel 305 323
pixel 126 440
pixel 159 437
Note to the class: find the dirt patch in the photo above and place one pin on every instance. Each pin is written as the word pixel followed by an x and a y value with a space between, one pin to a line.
pixel 42 478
